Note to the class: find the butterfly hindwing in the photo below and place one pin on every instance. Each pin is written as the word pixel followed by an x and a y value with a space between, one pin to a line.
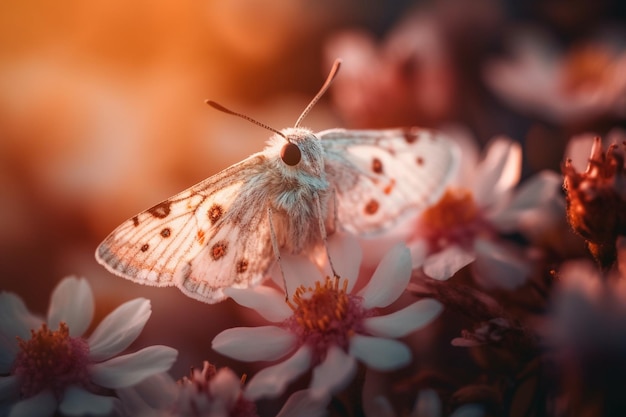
pixel 379 175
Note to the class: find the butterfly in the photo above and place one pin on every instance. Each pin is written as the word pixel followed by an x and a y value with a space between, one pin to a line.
pixel 227 230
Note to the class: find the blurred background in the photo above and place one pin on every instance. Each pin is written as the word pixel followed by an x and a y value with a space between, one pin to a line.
pixel 102 110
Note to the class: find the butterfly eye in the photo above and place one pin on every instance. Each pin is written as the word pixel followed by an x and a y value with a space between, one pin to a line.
pixel 290 154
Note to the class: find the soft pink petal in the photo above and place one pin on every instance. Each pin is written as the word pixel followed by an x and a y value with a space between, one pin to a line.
pixel 298 270
pixel 78 402
pixel 444 264
pixel 419 251
pixel 427 404
pixel 498 267
pixel 266 301
pixel 305 403
pixel 405 321
pixel 9 388
pixel 531 200
pixel 226 386
pixel 390 278
pixel 498 173
pixel 272 381
pixel 119 329
pixel 158 391
pixel 469 152
pixel 265 343
pixel 335 372
pixel 378 353
pixel 15 319
pixel 128 370
pixel 72 303
pixel 346 254
pixel 578 150
pixel 41 405
pixel 463 342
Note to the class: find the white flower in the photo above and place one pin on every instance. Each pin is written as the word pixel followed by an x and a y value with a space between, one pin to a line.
pixel 327 325
pixel 44 370
pixel 584 83
pixel 464 226
pixel 209 392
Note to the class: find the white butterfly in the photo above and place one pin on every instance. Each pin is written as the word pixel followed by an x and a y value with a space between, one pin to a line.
pixel 228 229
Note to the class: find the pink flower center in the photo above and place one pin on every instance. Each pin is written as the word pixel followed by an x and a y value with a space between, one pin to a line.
pixel 455 218
pixel 325 315
pixel 51 360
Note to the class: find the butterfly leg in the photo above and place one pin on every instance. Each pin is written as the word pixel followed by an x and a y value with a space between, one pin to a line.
pixel 277 251
pixel 320 219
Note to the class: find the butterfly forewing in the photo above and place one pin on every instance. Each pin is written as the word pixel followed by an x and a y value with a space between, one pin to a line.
pixel 188 240
pixel 380 175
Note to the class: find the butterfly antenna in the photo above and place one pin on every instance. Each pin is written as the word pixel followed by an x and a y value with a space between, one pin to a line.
pixel 329 79
pixel 223 109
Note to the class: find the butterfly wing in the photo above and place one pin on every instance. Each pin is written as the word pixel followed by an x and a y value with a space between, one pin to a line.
pixel 380 175
pixel 193 240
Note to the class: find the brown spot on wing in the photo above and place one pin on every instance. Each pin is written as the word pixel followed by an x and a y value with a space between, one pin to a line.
pixel 389 188
pixel 166 232
pixel 377 166
pixel 145 247
pixel 215 213
pixel 411 135
pixel 371 207
pixel 242 266
pixel 161 210
pixel 218 250
pixel 420 161
pixel 135 221
pixel 200 237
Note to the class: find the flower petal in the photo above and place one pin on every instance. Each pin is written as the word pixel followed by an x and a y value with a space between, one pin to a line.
pixel 72 302
pixel 427 404
pixel 264 343
pixel 335 372
pixel 15 319
pixel 346 254
pixel 442 265
pixel 390 278
pixel 272 381
pixel 298 270
pixel 127 370
pixel 266 301
pixel 305 403
pixel 497 266
pixel 41 405
pixel 119 329
pixel 9 388
pixel 526 209
pixel 499 172
pixel 78 402
pixel 378 353
pixel 403 322
pixel 226 387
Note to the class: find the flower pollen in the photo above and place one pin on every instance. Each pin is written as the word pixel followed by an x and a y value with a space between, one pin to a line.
pixel 51 360
pixel 454 218
pixel 325 315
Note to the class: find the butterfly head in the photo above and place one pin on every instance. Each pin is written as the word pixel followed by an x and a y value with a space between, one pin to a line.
pixel 297 151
